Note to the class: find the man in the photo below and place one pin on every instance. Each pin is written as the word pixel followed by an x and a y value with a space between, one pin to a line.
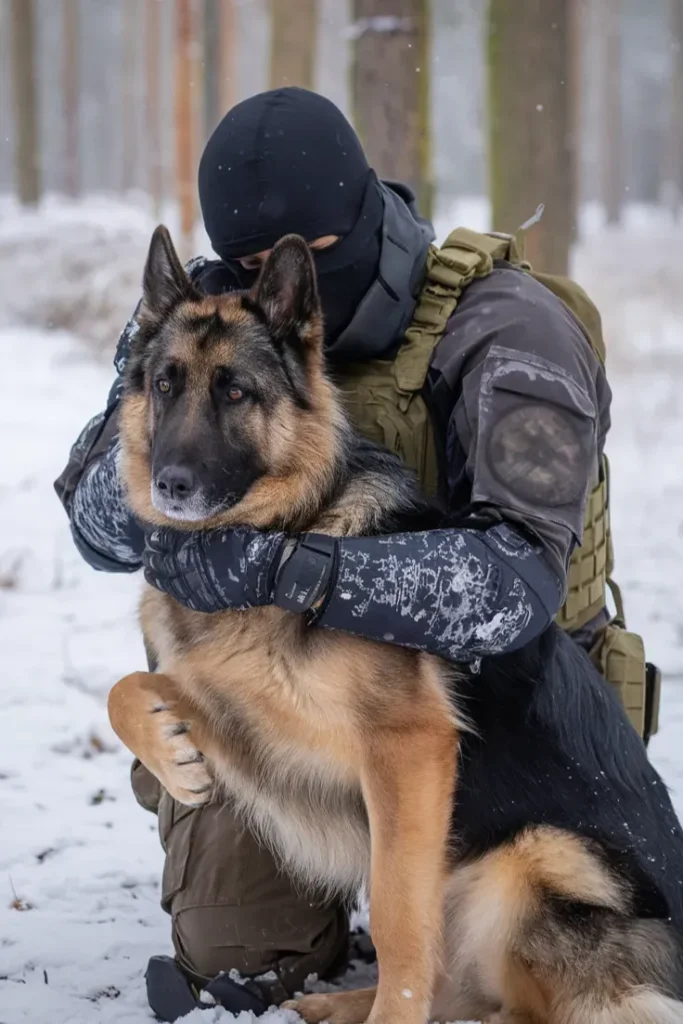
pixel 518 406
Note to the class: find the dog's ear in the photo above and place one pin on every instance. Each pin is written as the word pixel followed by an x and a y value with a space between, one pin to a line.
pixel 287 292
pixel 164 282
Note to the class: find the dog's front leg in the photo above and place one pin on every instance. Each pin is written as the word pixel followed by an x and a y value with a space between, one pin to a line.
pixel 408 783
pixel 148 713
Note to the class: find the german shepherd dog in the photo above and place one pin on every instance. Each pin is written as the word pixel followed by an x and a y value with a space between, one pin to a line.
pixel 523 860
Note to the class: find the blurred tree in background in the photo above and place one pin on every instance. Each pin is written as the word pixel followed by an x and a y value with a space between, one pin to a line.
pixel 72 98
pixel 574 103
pixel 219 60
pixel 531 146
pixel 674 178
pixel 391 73
pixel 24 99
pixel 612 119
pixel 186 129
pixel 155 183
pixel 292 45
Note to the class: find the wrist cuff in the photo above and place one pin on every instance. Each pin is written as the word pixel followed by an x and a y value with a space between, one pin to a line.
pixel 303 576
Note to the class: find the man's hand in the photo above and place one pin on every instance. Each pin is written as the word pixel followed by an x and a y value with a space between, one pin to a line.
pixel 213 570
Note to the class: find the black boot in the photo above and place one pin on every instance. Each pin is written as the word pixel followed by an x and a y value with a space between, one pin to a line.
pixel 171 994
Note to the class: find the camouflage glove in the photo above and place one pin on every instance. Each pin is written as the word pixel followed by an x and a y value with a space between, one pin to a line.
pixel 213 570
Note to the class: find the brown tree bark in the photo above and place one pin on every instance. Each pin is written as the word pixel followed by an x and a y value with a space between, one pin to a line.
pixel 71 85
pixel 129 30
pixel 212 60
pixel 220 25
pixel 185 132
pixel 531 156
pixel 153 105
pixel 294 25
pixel 390 86
pixel 227 78
pixel 612 118
pixel 675 144
pixel 27 166
pixel 575 79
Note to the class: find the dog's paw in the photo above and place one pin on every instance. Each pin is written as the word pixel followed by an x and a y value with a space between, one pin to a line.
pixel 179 765
pixel 333 1007
pixel 314 1008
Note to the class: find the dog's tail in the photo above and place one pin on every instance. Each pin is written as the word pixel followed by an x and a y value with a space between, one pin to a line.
pixel 640 1006
pixel 565 923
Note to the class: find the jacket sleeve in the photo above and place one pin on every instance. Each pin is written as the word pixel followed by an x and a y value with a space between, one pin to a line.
pixel 527 410
pixel 458 593
pixel 90 488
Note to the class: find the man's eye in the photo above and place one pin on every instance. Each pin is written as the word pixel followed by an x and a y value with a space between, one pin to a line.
pixel 163 385
pixel 235 394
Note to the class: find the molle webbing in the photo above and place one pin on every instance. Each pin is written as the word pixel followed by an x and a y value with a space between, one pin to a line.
pixel 384 398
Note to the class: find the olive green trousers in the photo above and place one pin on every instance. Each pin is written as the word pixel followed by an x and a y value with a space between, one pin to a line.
pixel 231 905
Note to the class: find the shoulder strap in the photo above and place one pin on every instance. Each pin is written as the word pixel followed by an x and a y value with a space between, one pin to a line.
pixel 464 255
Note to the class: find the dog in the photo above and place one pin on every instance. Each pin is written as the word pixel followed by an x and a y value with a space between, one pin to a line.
pixel 523 860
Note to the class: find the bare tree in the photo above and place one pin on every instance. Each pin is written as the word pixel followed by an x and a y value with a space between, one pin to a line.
pixel 227 78
pixel 675 142
pixel 531 158
pixel 71 86
pixel 575 79
pixel 129 31
pixel 612 129
pixel 152 105
pixel 184 133
pixel 25 101
pixel 220 25
pixel 390 81
pixel 293 42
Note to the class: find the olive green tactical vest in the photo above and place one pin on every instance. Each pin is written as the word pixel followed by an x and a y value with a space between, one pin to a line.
pixel 384 400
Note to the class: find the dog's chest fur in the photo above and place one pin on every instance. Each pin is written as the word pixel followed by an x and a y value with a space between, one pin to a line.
pixel 289 709
pixel 292 709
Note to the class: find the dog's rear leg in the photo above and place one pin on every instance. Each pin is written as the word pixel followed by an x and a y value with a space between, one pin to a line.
pixel 408 781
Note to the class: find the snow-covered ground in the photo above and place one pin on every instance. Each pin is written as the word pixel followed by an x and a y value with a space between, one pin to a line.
pixel 79 861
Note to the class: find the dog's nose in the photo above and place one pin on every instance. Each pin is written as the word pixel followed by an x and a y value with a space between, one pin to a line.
pixel 176 482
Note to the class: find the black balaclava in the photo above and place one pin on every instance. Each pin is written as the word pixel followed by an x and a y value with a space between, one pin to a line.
pixel 288 161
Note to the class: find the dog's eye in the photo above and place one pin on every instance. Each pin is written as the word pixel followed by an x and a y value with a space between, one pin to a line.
pixel 163 385
pixel 235 394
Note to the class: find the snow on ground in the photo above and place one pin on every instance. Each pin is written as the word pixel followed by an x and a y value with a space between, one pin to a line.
pixel 79 861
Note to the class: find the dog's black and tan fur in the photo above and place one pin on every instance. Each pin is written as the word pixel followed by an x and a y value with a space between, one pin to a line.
pixel 523 859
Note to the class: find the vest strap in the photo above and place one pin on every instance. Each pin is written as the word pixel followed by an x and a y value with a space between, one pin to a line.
pixel 450 269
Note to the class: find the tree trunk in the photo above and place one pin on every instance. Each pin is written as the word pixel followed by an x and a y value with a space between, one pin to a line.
pixel 212 44
pixel 184 128
pixel 220 25
pixel 293 42
pixel 531 158
pixel 227 77
pixel 675 142
pixel 153 105
pixel 25 101
pixel 612 118
pixel 71 82
pixel 390 90
pixel 575 42
pixel 129 30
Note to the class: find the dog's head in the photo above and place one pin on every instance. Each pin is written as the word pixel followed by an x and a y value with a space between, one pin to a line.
pixel 228 416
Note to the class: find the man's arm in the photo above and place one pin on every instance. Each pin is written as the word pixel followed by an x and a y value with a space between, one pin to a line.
pixel 90 488
pixel 523 436
pixel 528 409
